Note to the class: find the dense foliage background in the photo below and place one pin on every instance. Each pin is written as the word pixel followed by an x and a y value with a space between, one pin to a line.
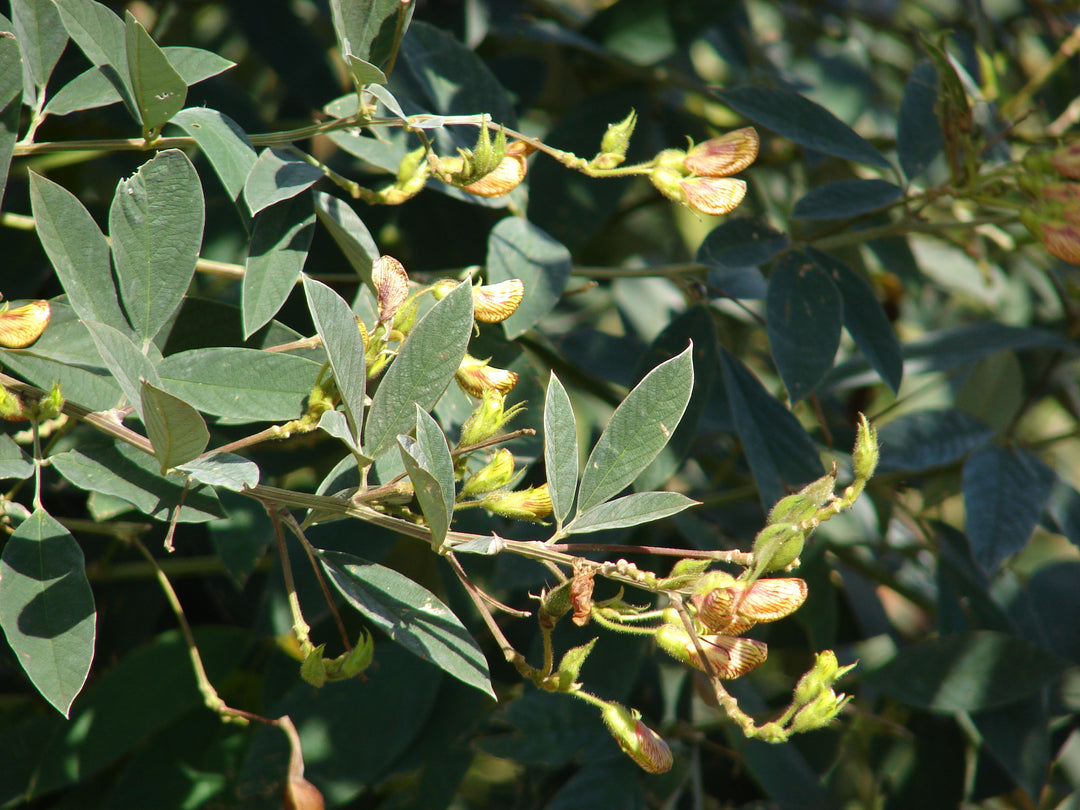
pixel 902 251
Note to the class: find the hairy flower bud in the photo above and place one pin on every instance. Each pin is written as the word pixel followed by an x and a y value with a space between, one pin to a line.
pixel 506 176
pixel 23 325
pixel 493 303
pixel 867 450
pixel 488 418
pixel 641 743
pixel 496 474
pixel 300 794
pixel 532 504
pixel 778 546
pixel 615 142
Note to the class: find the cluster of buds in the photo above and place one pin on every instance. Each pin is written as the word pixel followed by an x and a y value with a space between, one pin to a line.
pixel 1055 220
pixel 698 177
pixel 489 169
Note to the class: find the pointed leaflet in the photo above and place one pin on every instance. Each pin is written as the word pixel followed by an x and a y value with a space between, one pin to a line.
pixel 77 250
pixel 276 255
pixel 809 124
pixel 431 470
pixel 922 440
pixel 101 35
pixel 175 429
pixel 11 94
pixel 638 430
pixel 47 609
pixel 243 385
pixel 276 175
pixel 778 449
pixel 156 225
pixel 630 510
pixel 865 319
pixel 846 198
pixel 344 347
pixel 225 470
pixel 366 28
pixel 518 249
pixel 159 90
pixel 349 232
pixel 423 368
pixel 560 448
pixel 1004 491
pixel 122 357
pixel 410 614
pixel 223 142
pixel 41 38
pixel 804 314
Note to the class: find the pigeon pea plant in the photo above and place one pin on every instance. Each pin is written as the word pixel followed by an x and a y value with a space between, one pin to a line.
pixel 446 412
pixel 125 392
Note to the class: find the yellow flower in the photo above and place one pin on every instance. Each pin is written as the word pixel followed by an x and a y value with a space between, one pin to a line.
pixel 728 657
pixel 727 154
pixel 493 303
pixel 532 504
pixel 23 325
pixel 476 377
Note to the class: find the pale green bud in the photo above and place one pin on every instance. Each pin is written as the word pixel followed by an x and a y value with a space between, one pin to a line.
pixel 641 743
pixel 867 450
pixel 496 474
pixel 778 546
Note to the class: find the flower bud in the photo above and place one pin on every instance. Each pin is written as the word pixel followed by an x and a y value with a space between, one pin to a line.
pixel 12 406
pixel 819 712
pixel 778 546
pixel 506 176
pixel 804 504
pixel 571 663
pixel 728 657
pixel 1062 239
pixel 555 604
pixel 615 142
pixel 440 289
pixel 496 474
pixel 412 176
pixel 532 504
pixel 641 743
pixel 1066 160
pixel 488 418
pixel 727 154
pixel 23 325
pixel 825 672
pixel 476 377
pixel 493 303
pixel 867 450
pixel 391 285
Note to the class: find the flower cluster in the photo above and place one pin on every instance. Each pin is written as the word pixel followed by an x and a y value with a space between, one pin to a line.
pixel 1055 219
pixel 698 177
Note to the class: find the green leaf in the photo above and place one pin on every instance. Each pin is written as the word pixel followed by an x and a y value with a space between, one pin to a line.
pixel 241 539
pixel 159 90
pixel 918 132
pixel 734 250
pixel 366 28
pixel 922 440
pixel 277 175
pixel 638 430
pixel 1004 492
pixel 801 120
pixel 128 365
pixel 124 472
pixel 14 463
pixel 225 470
pixel 410 614
pixel 630 510
pixel 846 198
pixel 101 35
pixel 47 609
pixel 364 73
pixel 96 87
pixel 78 252
pixel 350 233
pixel 518 249
pixel 560 448
pixel 223 142
pixel 778 449
pixel 865 319
pixel 425 365
pixel 1017 736
pixel 156 225
pixel 11 93
pixel 336 325
pixel 277 253
pixel 966 672
pixel 240 384
pixel 175 429
pixel 41 37
pixel 804 314
pixel 431 470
